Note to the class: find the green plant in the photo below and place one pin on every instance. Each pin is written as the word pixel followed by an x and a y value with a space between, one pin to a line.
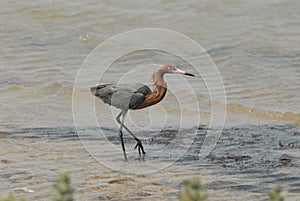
pixel 277 194
pixel 12 197
pixel 62 190
pixel 193 190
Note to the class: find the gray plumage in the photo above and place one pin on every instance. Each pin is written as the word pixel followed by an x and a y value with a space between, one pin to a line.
pixel 123 96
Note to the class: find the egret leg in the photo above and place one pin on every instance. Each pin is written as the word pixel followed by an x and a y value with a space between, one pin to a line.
pixel 139 142
pixel 121 137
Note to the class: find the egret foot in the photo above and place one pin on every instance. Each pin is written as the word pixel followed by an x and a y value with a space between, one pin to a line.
pixel 139 146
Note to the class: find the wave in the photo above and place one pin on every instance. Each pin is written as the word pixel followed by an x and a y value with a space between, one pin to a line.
pixel 56 88
pixel 274 115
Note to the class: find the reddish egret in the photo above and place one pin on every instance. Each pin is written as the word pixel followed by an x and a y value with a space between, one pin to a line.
pixel 135 96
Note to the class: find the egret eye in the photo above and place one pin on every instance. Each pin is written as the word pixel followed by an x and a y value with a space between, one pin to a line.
pixel 172 68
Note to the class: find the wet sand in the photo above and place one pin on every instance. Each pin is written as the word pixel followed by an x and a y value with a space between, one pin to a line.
pixel 244 165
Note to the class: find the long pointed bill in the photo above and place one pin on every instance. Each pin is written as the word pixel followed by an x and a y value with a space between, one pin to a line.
pixel 183 72
pixel 189 74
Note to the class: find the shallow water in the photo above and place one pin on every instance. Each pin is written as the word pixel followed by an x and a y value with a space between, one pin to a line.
pixel 255 47
pixel 245 164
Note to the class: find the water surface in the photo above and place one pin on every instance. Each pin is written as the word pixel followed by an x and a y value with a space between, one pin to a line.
pixel 255 46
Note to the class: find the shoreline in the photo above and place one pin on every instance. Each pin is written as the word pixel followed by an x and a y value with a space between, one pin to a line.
pixel 245 164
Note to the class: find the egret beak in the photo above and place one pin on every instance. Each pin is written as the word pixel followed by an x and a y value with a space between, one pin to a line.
pixel 189 74
pixel 178 71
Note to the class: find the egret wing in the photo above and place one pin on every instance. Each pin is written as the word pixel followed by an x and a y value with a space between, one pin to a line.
pixel 123 95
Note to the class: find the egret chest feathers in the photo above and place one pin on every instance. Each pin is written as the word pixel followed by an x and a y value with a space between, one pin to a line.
pixel 153 97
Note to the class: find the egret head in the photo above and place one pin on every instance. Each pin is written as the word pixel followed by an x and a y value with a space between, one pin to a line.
pixel 167 68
